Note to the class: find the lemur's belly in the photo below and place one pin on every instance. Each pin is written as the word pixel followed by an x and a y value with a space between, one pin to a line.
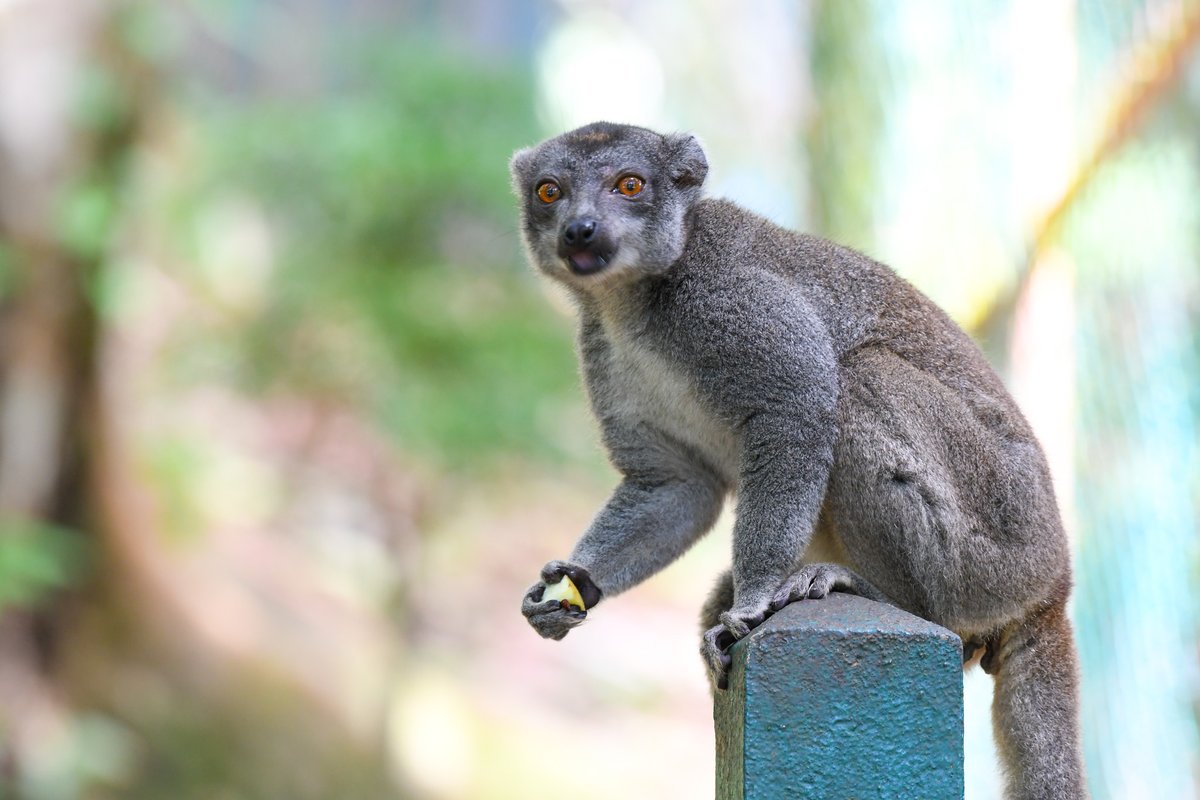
pixel 658 394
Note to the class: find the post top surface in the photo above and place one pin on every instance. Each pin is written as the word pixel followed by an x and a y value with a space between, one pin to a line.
pixel 848 614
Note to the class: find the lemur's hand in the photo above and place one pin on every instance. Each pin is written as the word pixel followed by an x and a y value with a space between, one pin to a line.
pixel 553 619
pixel 714 647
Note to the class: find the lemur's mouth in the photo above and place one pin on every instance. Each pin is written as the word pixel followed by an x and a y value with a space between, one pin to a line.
pixel 586 262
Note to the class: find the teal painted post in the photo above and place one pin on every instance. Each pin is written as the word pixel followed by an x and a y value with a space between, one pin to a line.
pixel 842 698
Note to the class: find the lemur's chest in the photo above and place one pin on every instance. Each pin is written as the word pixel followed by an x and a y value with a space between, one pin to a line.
pixel 655 391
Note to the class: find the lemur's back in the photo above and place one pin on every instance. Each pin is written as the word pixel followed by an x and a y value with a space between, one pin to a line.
pixel 862 302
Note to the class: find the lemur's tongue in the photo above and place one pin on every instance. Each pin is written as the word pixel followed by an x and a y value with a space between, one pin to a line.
pixel 585 261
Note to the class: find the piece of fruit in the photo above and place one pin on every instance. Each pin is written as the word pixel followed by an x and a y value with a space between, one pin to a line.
pixel 564 592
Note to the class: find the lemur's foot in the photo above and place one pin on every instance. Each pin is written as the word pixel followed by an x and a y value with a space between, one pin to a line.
pixel 714 646
pixel 814 581
pixel 554 619
pixel 989 644
pixel 714 649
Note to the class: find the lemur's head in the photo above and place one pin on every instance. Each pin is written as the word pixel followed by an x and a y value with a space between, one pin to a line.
pixel 607 202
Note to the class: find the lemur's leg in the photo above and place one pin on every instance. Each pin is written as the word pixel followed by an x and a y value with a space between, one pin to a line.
pixel 947 512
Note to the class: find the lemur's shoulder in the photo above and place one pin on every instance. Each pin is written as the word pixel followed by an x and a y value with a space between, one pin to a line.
pixel 722 228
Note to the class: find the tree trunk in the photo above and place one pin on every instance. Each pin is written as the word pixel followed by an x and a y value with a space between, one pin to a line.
pixel 63 143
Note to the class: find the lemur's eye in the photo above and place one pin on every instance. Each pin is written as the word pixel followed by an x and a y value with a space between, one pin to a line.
pixel 630 185
pixel 548 192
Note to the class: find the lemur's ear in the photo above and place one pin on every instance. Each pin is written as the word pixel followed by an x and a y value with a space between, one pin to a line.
pixel 519 163
pixel 688 165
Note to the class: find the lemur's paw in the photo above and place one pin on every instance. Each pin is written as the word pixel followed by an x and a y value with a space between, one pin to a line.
pixel 554 618
pixel 811 581
pixel 550 619
pixel 814 581
pixel 714 647
pixel 739 623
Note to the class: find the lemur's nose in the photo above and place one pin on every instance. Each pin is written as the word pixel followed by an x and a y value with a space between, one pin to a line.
pixel 580 232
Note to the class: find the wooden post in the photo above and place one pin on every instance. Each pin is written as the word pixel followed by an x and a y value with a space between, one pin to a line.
pixel 842 698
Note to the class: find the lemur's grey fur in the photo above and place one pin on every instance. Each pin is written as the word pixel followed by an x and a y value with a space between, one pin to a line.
pixel 869 444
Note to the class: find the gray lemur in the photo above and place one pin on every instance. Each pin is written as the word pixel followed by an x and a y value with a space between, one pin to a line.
pixel 870 446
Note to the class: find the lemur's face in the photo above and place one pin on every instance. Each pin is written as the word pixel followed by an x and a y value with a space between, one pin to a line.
pixel 607 202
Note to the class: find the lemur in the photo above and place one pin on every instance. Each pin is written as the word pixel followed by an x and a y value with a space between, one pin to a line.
pixel 870 446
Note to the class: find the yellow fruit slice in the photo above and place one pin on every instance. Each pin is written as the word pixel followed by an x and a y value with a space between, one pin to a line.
pixel 564 590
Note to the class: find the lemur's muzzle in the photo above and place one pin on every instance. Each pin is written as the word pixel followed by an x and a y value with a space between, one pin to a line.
pixel 585 246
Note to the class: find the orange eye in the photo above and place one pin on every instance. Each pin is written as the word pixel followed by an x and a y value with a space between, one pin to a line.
pixel 630 185
pixel 548 192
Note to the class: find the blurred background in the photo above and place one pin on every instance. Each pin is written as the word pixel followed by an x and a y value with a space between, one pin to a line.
pixel 287 426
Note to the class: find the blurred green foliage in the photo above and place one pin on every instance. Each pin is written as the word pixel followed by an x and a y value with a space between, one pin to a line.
pixel 87 216
pixel 400 284
pixel 35 559
pixel 8 272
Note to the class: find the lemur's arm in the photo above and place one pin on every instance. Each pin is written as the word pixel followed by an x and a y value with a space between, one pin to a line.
pixel 656 513
pixel 664 503
pixel 660 508
pixel 765 362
